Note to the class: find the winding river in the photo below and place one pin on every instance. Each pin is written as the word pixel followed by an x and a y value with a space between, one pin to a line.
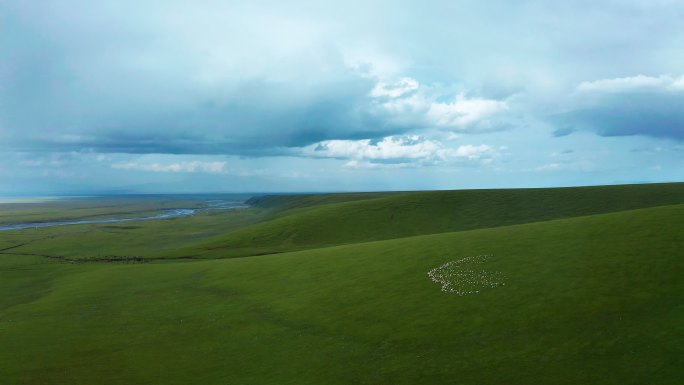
pixel 165 214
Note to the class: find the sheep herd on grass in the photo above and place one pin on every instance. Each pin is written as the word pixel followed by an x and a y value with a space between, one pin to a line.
pixel 460 278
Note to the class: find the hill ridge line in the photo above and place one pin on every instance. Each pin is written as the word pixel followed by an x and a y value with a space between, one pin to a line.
pixel 372 242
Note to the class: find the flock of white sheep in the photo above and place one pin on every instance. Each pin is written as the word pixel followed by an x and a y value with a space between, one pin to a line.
pixel 462 277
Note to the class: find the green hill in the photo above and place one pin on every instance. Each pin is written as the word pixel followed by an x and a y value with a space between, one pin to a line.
pixel 321 221
pixel 587 300
pixel 286 202
pixel 563 286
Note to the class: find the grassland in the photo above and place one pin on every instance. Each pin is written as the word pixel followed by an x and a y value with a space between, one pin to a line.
pixel 592 294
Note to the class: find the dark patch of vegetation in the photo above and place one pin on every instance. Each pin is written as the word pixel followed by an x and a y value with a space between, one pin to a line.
pixel 121 227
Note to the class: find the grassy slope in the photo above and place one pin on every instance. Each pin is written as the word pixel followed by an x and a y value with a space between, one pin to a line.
pixel 287 202
pixel 590 300
pixel 144 239
pixel 407 214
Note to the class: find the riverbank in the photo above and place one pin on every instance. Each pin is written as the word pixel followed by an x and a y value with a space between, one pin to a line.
pixel 28 213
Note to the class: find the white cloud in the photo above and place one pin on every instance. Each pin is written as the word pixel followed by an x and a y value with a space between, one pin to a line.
pixel 469 151
pixel 395 149
pixel 463 111
pixel 408 102
pixel 394 90
pixel 453 136
pixel 634 83
pixel 391 147
pixel 549 167
pixel 190 167
pixel 580 165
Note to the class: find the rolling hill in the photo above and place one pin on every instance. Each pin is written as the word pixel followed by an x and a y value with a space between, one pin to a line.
pixel 386 216
pixel 591 283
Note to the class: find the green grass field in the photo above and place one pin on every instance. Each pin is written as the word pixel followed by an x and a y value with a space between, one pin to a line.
pixel 593 292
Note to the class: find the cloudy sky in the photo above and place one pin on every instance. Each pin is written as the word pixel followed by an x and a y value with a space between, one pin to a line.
pixel 171 96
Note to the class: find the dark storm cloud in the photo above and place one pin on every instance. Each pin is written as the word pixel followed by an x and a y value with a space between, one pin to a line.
pixel 640 105
pixel 75 78
pixel 243 78
pixel 563 131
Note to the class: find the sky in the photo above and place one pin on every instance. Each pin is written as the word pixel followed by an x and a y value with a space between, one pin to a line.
pixel 272 96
